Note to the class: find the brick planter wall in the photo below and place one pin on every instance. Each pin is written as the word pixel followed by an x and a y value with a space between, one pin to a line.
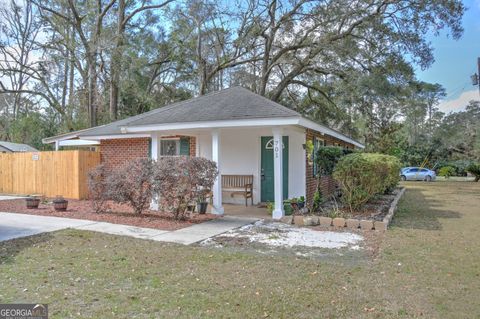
pixel 327 184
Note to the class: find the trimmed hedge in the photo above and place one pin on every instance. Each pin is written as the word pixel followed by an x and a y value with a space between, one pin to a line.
pixel 364 175
pixel 327 157
pixel 474 169
pixel 446 171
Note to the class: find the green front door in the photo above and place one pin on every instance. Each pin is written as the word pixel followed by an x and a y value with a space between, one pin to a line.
pixel 267 178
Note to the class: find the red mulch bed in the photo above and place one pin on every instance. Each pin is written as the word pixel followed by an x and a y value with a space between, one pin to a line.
pixel 116 214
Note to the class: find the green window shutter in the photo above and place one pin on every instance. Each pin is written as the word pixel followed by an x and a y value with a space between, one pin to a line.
pixel 185 146
pixel 149 148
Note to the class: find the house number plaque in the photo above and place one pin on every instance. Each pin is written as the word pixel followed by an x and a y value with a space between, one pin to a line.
pixel 276 149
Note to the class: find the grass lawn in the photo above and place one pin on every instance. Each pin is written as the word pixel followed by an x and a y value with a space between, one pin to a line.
pixel 428 266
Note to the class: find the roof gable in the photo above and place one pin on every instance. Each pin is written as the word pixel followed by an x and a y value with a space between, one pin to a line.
pixel 235 103
pixel 227 105
pixel 230 104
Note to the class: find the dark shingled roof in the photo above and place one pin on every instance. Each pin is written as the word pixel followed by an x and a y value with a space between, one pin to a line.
pixel 235 103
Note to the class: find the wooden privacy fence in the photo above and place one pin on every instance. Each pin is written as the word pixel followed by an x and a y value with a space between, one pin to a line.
pixel 47 173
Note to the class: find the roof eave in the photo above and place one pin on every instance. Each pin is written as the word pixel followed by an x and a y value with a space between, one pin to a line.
pixel 323 129
pixel 259 122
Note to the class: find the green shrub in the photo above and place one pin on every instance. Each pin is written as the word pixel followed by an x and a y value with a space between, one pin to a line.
pixel 447 171
pixel 459 166
pixel 364 175
pixel 317 200
pixel 474 169
pixel 327 157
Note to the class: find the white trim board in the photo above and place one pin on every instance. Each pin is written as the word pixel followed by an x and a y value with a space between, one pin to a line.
pixel 212 124
pixel 78 143
pixel 243 123
pixel 116 136
pixel 147 130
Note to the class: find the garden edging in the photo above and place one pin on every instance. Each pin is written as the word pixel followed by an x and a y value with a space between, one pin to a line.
pixel 350 223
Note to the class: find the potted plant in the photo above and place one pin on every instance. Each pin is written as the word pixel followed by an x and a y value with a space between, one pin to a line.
pixel 60 204
pixel 202 203
pixel 301 202
pixel 32 202
pixel 287 207
pixel 294 203
pixel 270 208
pixel 191 208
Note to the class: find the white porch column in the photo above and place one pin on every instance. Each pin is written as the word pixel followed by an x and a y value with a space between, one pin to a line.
pixel 217 186
pixel 57 145
pixel 278 173
pixel 154 151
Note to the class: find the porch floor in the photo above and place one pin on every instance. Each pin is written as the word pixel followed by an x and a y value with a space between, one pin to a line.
pixel 245 211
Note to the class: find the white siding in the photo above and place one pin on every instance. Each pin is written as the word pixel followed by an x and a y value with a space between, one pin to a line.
pixel 240 155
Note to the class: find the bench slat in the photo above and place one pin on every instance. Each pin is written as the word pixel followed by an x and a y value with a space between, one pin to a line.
pixel 239 184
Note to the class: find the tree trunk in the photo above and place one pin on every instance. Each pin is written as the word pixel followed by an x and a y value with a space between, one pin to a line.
pixel 202 65
pixel 269 38
pixel 92 88
pixel 116 63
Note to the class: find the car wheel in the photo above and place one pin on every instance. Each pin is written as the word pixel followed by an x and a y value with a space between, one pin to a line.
pixel 403 178
pixel 428 178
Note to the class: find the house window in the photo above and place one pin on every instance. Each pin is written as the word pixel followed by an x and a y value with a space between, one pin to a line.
pixel 317 143
pixel 170 147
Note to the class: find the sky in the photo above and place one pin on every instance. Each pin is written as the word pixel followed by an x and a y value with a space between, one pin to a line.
pixel 456 61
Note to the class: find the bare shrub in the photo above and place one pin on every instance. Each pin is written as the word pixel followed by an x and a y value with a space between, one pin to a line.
pixel 179 181
pixel 204 172
pixel 98 188
pixel 132 184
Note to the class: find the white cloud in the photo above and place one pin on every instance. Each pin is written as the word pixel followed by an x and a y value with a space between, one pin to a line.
pixel 460 102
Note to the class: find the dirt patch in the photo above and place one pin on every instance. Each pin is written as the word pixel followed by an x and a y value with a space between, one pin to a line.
pixel 273 238
pixel 116 214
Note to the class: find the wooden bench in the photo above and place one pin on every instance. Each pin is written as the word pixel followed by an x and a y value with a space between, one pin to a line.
pixel 239 184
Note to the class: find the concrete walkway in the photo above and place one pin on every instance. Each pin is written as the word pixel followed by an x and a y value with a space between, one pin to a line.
pixel 8 197
pixel 20 225
pixel 199 232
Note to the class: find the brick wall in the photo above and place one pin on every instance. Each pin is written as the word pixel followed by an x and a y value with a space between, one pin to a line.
pixel 116 152
pixel 193 146
pixel 326 184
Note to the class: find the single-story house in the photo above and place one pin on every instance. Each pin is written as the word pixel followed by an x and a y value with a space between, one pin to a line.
pixel 244 133
pixel 9 147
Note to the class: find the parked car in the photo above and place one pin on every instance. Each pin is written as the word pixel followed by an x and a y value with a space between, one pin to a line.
pixel 407 168
pixel 417 174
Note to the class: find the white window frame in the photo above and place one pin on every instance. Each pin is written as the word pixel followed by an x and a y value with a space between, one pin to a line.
pixel 176 139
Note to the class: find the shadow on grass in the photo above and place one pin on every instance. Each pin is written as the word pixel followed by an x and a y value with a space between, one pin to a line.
pixel 416 211
pixel 11 248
